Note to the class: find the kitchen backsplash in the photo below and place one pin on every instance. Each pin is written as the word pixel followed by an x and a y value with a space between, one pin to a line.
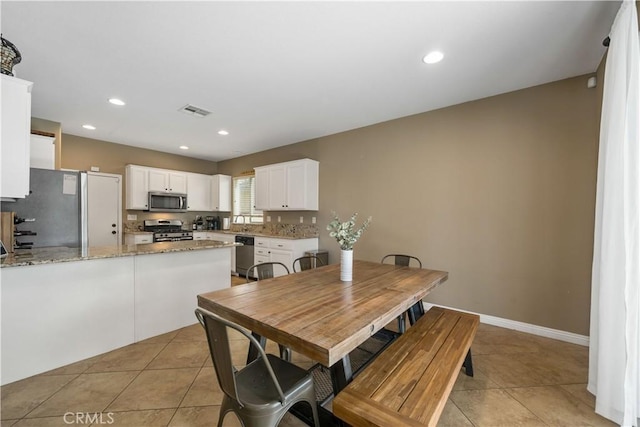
pixel 270 228
pixel 278 229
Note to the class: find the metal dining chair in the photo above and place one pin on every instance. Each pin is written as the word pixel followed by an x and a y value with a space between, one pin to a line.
pixel 263 271
pixel 307 262
pixel 264 390
pixel 417 310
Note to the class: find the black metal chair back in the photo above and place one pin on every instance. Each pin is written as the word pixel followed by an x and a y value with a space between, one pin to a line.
pixel 264 270
pixel 417 310
pixel 265 389
pixel 307 262
pixel 404 260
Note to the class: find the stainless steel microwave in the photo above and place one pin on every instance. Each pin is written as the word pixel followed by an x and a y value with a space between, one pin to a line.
pixel 167 202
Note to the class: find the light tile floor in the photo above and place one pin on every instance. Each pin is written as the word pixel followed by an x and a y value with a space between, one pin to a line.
pixel 168 380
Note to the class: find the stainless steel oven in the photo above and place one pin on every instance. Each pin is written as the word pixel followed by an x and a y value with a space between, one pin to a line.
pixel 167 230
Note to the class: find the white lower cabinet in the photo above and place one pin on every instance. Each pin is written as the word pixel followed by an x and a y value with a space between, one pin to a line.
pixel 268 249
pixel 220 237
pixel 89 307
pixel 167 285
pixel 225 237
pixel 84 308
pixel 201 235
pixel 138 239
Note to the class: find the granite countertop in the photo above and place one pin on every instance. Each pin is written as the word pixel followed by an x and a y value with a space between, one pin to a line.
pixel 52 255
pixel 137 232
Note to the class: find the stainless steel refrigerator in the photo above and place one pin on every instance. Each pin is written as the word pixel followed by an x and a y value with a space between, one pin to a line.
pixel 57 203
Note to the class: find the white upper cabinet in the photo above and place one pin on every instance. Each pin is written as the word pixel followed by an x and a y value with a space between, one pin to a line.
pixel 43 154
pixel 167 181
pixel 15 136
pixel 262 188
pixel 288 186
pixel 221 193
pixel 277 187
pixel 204 192
pixel 137 187
pixel 198 192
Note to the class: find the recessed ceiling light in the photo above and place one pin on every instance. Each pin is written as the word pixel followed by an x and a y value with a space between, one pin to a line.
pixel 90 127
pixel 184 147
pixel 433 57
pixel 116 101
pixel 223 132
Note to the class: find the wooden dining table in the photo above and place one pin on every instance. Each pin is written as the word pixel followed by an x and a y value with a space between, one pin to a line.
pixel 316 314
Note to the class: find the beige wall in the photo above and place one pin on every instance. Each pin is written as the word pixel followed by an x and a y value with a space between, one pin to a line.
pixel 499 192
pixel 83 153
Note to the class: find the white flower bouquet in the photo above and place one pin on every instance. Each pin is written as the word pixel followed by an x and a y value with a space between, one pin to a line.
pixel 345 233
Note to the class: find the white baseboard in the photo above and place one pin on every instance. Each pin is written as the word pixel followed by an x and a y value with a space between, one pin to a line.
pixel 525 327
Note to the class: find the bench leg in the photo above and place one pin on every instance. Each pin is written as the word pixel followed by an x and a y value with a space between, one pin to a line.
pixel 468 364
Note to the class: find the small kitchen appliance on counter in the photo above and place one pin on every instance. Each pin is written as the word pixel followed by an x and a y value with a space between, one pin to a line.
pixel 212 222
pixel 167 230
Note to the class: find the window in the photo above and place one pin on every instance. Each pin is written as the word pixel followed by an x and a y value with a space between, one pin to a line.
pixel 244 200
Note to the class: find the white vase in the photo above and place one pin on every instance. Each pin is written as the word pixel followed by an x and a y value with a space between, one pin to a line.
pixel 346 265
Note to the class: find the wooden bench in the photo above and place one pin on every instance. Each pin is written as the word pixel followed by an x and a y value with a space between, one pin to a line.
pixel 409 383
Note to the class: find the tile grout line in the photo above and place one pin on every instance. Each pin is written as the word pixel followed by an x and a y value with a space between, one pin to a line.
pixel 25 416
pixel 134 378
pixel 506 390
pixel 189 389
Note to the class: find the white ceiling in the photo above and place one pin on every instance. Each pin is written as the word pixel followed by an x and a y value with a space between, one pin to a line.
pixel 275 73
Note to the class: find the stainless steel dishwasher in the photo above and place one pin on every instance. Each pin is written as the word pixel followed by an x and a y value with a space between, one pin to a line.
pixel 244 254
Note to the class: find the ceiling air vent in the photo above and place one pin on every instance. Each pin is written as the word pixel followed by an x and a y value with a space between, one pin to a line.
pixel 194 111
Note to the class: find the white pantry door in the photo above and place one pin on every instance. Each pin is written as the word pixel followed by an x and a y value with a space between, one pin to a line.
pixel 104 210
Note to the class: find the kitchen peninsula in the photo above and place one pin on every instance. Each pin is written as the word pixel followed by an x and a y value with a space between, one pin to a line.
pixel 60 305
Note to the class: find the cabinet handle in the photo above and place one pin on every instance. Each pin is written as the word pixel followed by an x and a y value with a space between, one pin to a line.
pixel 113 232
pixel 113 225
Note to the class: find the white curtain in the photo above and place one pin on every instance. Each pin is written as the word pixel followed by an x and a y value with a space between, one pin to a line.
pixel 614 356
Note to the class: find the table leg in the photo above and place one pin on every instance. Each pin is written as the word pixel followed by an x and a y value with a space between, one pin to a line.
pixel 341 374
